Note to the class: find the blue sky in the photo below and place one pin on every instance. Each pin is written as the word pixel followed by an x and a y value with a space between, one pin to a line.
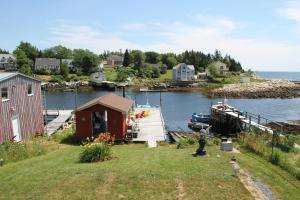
pixel 263 35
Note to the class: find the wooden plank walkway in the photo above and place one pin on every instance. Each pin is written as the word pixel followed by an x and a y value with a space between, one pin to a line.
pixel 152 127
pixel 245 120
pixel 53 126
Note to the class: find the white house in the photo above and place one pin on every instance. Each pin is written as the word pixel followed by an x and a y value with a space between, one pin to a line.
pixel 7 61
pixel 183 72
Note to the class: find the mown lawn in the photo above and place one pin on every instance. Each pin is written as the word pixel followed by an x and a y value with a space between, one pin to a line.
pixel 137 172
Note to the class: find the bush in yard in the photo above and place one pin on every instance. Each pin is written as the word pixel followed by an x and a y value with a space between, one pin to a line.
pixel 11 151
pixel 97 149
pixel 184 143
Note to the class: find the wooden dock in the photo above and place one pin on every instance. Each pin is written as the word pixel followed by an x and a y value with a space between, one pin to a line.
pixel 152 127
pixel 61 117
pixel 244 121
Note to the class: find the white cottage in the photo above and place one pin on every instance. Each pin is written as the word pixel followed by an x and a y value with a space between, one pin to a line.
pixel 183 72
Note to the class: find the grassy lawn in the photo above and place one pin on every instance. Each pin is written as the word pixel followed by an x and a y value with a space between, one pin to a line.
pixel 110 74
pixel 283 184
pixel 137 173
pixel 167 76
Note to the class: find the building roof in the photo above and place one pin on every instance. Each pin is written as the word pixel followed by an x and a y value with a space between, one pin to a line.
pixel 6 57
pixel 115 58
pixel 111 101
pixel 47 61
pixel 6 75
pixel 188 66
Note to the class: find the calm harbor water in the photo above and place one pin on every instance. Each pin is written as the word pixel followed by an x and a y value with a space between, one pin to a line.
pixel 178 107
pixel 294 76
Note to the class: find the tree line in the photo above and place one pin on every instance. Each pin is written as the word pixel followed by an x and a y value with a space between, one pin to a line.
pixel 88 61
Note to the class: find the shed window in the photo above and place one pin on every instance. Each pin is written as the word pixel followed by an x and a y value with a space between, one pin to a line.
pixel 29 89
pixel 4 93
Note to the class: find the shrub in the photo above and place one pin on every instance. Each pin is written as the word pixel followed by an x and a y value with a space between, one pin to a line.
pixel 184 143
pixel 11 151
pixel 97 149
pixel 57 79
pixel 275 157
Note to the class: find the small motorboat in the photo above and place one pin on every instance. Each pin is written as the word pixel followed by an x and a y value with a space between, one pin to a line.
pixel 197 126
pixel 200 118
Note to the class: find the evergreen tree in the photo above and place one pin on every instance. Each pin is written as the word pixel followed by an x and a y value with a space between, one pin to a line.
pixel 127 59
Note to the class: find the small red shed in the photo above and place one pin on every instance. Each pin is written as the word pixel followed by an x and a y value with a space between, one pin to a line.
pixel 106 113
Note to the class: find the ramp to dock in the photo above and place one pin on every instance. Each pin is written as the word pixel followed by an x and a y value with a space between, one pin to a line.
pixel 58 122
pixel 152 127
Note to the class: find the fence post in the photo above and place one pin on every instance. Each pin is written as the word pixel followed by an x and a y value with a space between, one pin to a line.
pixel 249 123
pixel 258 120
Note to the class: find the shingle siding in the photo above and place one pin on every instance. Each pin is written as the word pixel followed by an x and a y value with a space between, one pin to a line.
pixel 29 108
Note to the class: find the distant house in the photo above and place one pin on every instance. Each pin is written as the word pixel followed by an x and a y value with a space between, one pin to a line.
pixel 104 114
pixel 21 107
pixel 183 72
pixel 69 62
pixel 50 64
pixel 7 61
pixel 115 60
pixel 222 67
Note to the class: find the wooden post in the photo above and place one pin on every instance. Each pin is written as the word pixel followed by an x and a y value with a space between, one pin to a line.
pixel 249 123
pixel 258 120
pixel 160 98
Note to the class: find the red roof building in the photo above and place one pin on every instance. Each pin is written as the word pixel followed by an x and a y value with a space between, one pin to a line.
pixel 104 114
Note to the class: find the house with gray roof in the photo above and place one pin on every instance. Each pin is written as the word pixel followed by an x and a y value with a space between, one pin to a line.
pixel 49 64
pixel 7 61
pixel 115 60
pixel 183 72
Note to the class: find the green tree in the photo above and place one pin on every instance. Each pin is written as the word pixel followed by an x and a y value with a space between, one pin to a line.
pixel 213 70
pixel 152 57
pixel 23 62
pixel 127 59
pixel 138 58
pixel 31 51
pixel 64 70
pixel 85 60
pixel 4 51
pixel 124 73
pixel 59 52
pixel 171 62
pixel 155 72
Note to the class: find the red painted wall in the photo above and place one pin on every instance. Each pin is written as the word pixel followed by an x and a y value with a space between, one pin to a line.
pixel 29 108
pixel 116 122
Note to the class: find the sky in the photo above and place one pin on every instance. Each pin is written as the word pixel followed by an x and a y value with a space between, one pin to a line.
pixel 262 35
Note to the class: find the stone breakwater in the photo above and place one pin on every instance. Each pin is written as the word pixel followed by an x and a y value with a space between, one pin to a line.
pixel 267 89
pixel 67 85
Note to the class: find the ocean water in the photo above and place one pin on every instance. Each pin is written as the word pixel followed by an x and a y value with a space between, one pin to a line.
pixel 293 76
pixel 177 107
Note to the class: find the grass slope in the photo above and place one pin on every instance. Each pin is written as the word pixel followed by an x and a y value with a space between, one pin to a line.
pixel 137 173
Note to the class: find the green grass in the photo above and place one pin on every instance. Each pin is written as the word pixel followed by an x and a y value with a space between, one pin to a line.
pixel 167 76
pixel 283 184
pixel 110 74
pixel 137 172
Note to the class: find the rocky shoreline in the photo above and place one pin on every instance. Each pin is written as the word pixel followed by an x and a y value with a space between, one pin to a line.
pixel 266 89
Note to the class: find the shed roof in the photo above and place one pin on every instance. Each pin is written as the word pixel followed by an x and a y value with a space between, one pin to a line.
pixel 112 101
pixel 7 75
pixel 47 61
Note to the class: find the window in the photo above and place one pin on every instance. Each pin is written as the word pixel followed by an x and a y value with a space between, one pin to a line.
pixel 4 93
pixel 29 89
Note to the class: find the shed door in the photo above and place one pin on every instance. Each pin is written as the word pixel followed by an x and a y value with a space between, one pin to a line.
pixel 16 128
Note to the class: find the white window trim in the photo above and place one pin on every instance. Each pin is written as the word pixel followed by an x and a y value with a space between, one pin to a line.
pixel 5 100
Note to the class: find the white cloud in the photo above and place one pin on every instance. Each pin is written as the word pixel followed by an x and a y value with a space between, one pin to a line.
pixel 220 22
pixel 88 38
pixel 134 26
pixel 291 10
pixel 254 53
